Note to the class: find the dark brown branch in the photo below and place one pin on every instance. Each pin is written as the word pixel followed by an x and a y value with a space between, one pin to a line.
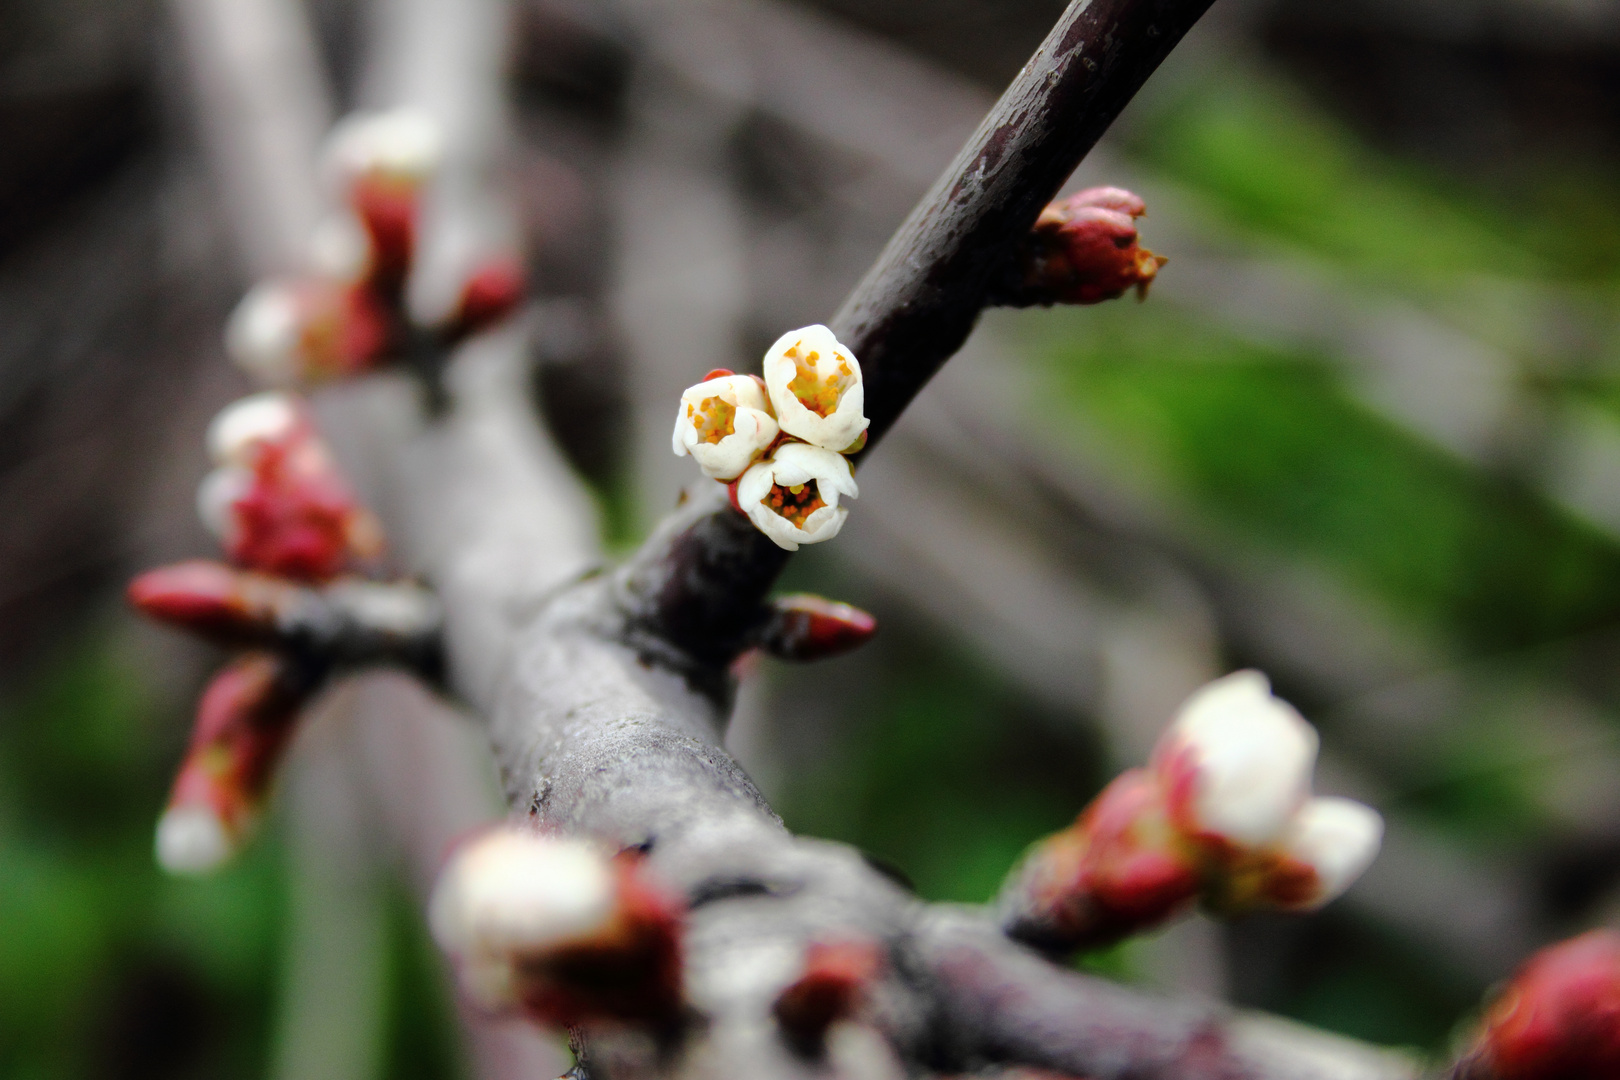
pixel 703 589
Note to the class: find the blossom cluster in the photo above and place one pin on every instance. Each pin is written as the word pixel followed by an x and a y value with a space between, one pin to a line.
pixel 348 312
pixel 780 441
pixel 278 504
pixel 1223 814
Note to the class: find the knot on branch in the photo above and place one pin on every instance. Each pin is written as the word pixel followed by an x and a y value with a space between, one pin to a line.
pixel 779 441
pixel 834 985
pixel 298 537
pixel 1557 1019
pixel 1223 815
pixel 1083 250
pixel 558 930
pixel 364 301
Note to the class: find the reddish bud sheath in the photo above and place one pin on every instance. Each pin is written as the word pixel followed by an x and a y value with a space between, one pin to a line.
pixel 837 977
pixel 244 722
pixel 630 972
pixel 492 292
pixel 1118 869
pixel 807 627
pixel 386 206
pixel 297 518
pixel 214 600
pixel 1084 250
pixel 1559 1018
pixel 717 373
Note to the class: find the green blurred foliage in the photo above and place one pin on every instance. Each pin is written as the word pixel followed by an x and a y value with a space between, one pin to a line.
pixel 109 968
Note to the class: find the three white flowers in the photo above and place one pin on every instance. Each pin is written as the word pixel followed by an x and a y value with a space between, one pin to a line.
pixel 780 440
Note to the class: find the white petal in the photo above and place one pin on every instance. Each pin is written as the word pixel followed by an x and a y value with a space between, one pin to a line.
pixel 512 891
pixel 798 463
pixel 264 336
pixel 753 428
pixel 836 431
pixel 217 496
pixel 1339 838
pixel 404 141
pixel 1254 756
pixel 191 840
pixel 241 427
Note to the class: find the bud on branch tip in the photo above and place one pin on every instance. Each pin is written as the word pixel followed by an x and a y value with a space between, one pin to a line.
pixel 555 928
pixel 1083 250
pixel 1223 814
pixel 1557 1019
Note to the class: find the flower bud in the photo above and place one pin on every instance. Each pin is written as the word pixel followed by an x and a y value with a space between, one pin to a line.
pixel 815 387
pixel 245 426
pixel 1084 250
pixel 404 145
pixel 725 423
pixel 553 927
pixel 289 331
pixel 1120 868
pixel 837 977
pixel 492 291
pixel 793 497
pixel 279 504
pixel 379 162
pixel 806 627
pixel 1236 763
pixel 244 722
pixel 1558 1019
pixel 1223 814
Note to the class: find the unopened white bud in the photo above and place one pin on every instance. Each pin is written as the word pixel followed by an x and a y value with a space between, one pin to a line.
pixel 242 427
pixel 724 424
pixel 191 840
pixel 793 497
pixel 512 893
pixel 217 497
pixel 815 386
pixel 1246 755
pixel 265 334
pixel 404 143
pixel 1338 838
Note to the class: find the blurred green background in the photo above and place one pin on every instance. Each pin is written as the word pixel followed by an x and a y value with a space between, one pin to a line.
pixel 1493 563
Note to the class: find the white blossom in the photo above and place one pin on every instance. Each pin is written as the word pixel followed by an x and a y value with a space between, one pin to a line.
pixel 511 894
pixel 403 143
pixel 191 840
pixel 1239 759
pixel 815 385
pixel 724 423
pixel 265 334
pixel 1338 838
pixel 793 497
pixel 239 429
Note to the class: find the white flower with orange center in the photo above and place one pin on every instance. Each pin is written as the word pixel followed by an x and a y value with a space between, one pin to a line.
pixel 793 497
pixel 725 423
pixel 815 386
